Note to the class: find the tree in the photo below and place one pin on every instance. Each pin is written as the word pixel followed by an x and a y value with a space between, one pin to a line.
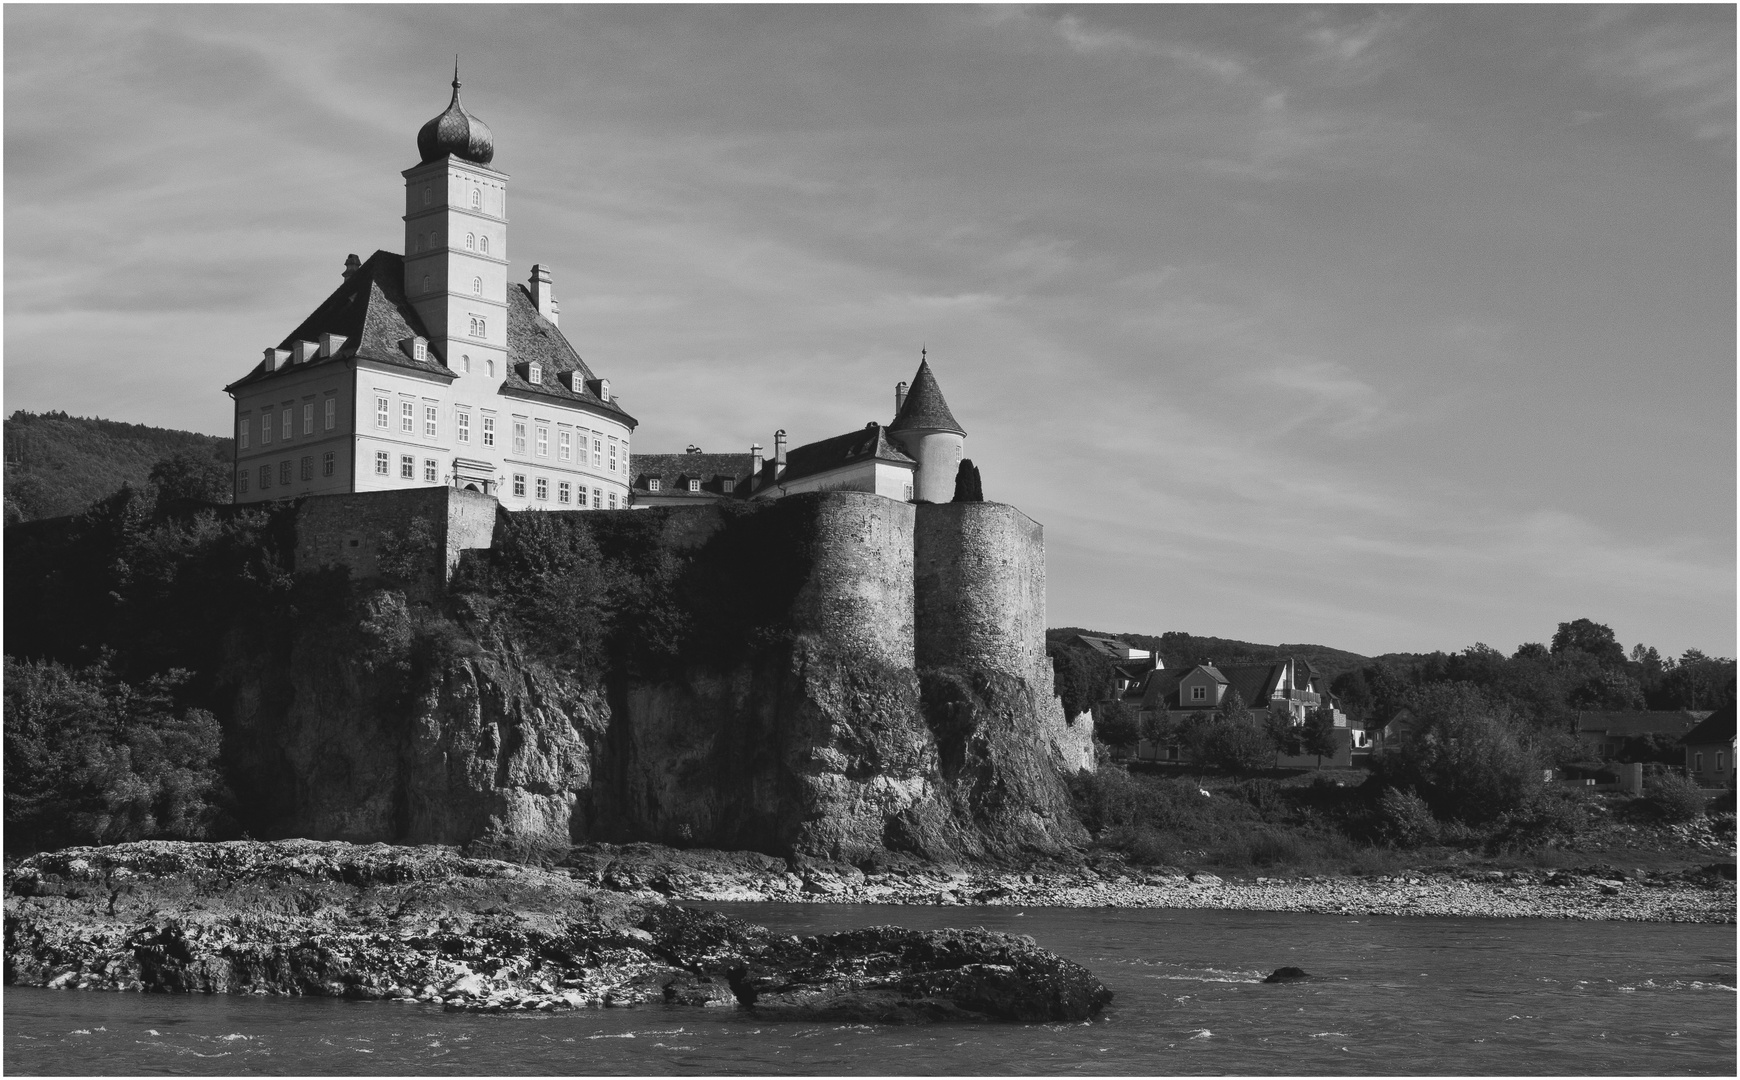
pixel 1079 677
pixel 1466 757
pixel 1587 636
pixel 1317 734
pixel 185 475
pixel 1230 737
pixel 1117 724
pixel 92 760
pixel 968 487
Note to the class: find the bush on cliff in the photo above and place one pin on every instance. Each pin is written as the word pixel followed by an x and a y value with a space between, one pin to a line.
pixel 1079 676
pixel 1671 797
pixel 93 760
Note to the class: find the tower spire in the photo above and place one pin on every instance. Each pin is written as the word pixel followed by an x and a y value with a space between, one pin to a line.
pixel 456 71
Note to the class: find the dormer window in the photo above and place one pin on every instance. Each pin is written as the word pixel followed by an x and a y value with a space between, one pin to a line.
pixel 694 485
pixel 535 374
pixel 420 350
pixel 651 485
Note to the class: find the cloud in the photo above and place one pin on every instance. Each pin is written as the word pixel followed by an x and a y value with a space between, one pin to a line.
pixel 1326 396
pixel 1683 68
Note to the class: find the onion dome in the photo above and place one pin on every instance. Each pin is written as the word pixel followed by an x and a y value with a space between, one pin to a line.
pixel 924 406
pixel 456 132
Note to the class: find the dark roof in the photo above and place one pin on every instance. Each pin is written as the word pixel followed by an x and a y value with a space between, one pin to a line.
pixel 370 310
pixel 1255 683
pixel 718 473
pixel 819 457
pixel 1629 724
pixel 1160 689
pixel 924 406
pixel 1106 647
pixel 1718 727
pixel 456 132
pixel 533 338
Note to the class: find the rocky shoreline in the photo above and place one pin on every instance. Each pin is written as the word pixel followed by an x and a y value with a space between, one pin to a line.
pixel 425 924
pixel 1594 892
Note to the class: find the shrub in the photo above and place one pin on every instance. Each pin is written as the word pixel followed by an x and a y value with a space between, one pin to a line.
pixel 1675 798
pixel 1078 676
pixel 1402 819
pixel 1117 724
pixel 1545 817
pixel 1236 742
pixel 92 760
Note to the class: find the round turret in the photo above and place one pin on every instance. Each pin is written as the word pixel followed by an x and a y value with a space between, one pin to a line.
pixel 456 132
pixel 929 434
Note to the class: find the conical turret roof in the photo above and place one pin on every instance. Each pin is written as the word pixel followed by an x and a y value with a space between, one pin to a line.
pixel 924 406
pixel 456 132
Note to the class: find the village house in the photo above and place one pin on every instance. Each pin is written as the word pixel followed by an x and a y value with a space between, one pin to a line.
pixel 1290 689
pixel 1710 750
pixel 1618 735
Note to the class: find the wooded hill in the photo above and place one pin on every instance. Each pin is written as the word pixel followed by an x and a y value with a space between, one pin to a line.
pixel 1181 650
pixel 58 464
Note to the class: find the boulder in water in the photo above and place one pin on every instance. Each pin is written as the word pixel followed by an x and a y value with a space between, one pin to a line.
pixel 1287 974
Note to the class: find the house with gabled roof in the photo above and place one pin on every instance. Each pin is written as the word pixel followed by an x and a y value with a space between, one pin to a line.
pixel 913 458
pixel 1710 750
pixel 430 368
pixel 1289 689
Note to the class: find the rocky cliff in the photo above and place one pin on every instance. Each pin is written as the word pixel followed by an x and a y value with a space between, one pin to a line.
pixel 736 679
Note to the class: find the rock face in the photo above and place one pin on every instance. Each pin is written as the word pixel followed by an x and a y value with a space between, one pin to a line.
pixel 897 698
pixel 332 919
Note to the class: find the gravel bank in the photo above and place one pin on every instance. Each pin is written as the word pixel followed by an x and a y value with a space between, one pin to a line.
pixel 1701 895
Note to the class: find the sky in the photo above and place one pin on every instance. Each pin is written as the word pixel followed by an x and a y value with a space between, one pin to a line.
pixel 1389 329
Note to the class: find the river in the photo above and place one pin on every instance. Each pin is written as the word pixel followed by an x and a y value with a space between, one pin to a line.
pixel 1391 996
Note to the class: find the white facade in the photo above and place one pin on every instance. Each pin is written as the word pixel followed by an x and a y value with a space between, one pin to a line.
pixel 433 369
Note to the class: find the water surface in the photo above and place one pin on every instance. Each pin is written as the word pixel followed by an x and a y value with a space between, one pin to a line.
pixel 1393 995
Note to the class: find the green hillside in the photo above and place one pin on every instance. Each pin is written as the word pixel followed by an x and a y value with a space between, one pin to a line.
pixel 58 464
pixel 1179 649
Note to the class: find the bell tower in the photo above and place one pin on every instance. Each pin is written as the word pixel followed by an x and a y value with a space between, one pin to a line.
pixel 456 264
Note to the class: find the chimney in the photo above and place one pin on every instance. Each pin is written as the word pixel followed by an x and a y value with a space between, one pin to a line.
pixel 755 459
pixel 331 343
pixel 779 453
pixel 351 265
pixel 542 297
pixel 899 397
pixel 275 359
pixel 303 351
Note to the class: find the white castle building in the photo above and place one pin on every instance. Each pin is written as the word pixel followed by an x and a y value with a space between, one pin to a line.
pixel 432 368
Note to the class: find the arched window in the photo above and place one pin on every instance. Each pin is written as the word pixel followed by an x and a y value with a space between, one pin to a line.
pixel 425 194
pixel 483 244
pixel 477 286
pixel 476 199
pixel 465 359
pixel 470 242
pixel 491 365
pixel 425 282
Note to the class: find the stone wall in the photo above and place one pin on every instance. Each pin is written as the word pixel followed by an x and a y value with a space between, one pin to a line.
pixel 859 595
pixel 979 570
pixel 348 530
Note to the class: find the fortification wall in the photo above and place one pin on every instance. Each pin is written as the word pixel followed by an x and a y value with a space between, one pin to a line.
pixel 348 530
pixel 859 593
pixel 979 580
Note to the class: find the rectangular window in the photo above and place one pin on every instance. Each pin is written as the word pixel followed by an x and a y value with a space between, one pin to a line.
pixel 613 500
pixel 564 444
pixel 580 497
pixel 431 472
pixel 265 426
pixel 407 417
pixel 284 473
pixel 307 466
pixel 331 413
pixel 265 477
pixel 328 463
pixel 1199 693
pixel 381 413
pixel 543 489
pixel 597 452
pixel 597 498
pixel 429 419
pixel 625 457
pixel 464 421
pixel 612 455
pixel 1719 761
pixel 519 485
pixel 1697 763
pixel 519 439
pixel 242 481
pixel 308 419
pixel 564 491
pixel 383 463
pixel 286 431
pixel 407 467
pixel 543 441
pixel 242 432
pixel 489 431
